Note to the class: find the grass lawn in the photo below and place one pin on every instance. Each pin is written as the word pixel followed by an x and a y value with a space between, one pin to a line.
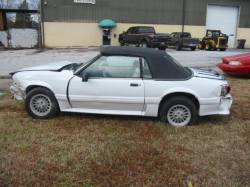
pixel 94 150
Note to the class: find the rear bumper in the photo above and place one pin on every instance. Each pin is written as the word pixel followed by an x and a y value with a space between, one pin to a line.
pixel 234 70
pixel 221 108
pixel 225 105
pixel 190 45
pixel 157 44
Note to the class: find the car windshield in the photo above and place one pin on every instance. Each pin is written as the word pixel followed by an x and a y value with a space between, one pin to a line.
pixel 213 33
pixel 82 65
pixel 185 35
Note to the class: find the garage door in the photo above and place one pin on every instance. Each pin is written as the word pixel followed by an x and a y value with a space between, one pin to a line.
pixel 224 18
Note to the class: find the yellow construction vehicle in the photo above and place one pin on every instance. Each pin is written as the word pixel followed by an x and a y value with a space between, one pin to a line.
pixel 214 40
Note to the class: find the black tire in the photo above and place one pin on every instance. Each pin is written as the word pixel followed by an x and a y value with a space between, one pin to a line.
pixel 162 48
pixel 178 47
pixel 178 101
pixel 201 46
pixel 122 43
pixel 223 49
pixel 193 48
pixel 208 47
pixel 54 108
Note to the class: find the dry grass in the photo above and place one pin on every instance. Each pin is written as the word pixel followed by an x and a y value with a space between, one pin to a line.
pixel 88 150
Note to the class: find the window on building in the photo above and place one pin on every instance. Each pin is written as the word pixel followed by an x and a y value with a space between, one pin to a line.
pixel 22 20
pixel 20 4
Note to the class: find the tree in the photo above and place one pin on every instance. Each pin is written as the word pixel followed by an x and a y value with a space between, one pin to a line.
pixel 23 20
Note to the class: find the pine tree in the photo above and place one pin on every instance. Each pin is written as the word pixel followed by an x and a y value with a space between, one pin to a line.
pixel 23 20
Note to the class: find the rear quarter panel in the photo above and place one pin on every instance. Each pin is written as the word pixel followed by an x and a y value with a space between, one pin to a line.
pixel 206 91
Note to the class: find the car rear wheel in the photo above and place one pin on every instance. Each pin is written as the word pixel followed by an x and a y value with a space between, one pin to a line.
pixel 163 48
pixel 178 47
pixel 122 43
pixel 223 49
pixel 41 103
pixel 178 111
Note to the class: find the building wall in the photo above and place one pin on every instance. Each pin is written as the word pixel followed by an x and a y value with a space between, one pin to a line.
pixel 63 34
pixel 69 24
pixel 19 38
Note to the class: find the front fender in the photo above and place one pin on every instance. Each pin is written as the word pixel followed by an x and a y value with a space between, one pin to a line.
pixel 27 84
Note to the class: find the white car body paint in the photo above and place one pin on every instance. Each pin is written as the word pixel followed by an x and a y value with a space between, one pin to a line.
pixel 115 95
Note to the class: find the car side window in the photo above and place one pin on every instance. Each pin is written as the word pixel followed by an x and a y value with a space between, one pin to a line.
pixel 145 69
pixel 209 34
pixel 137 31
pixel 114 67
pixel 174 35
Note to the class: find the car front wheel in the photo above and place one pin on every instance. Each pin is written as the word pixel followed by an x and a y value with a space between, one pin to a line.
pixel 41 103
pixel 178 111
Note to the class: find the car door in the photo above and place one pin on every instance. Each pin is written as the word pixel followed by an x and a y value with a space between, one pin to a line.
pixel 172 40
pixel 131 36
pixel 114 86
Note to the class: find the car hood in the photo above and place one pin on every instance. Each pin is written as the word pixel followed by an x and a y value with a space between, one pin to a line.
pixel 209 74
pixel 57 66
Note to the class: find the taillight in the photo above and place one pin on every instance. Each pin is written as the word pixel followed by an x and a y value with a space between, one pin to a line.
pixel 225 89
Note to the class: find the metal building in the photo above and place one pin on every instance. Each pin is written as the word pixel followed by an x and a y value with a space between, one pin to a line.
pixel 74 23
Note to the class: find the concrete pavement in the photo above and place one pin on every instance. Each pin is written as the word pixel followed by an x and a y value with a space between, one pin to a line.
pixel 12 60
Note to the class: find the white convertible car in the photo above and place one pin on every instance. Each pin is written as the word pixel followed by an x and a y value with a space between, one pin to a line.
pixel 123 81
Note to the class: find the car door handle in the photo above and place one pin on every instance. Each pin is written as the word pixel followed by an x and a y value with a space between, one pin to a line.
pixel 134 85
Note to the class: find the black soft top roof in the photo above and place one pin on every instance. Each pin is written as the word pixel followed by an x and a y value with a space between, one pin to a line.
pixel 162 65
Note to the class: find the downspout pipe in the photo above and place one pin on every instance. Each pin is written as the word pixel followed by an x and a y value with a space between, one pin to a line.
pixel 42 40
pixel 183 18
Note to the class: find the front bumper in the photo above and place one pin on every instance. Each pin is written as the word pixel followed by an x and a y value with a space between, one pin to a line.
pixel 17 91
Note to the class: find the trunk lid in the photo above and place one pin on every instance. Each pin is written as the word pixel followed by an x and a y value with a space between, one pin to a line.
pixel 209 74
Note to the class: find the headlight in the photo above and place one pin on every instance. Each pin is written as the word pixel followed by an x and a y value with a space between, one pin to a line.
pixel 225 89
pixel 235 63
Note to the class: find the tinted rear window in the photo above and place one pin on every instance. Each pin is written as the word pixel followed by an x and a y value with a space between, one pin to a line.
pixel 186 35
pixel 146 30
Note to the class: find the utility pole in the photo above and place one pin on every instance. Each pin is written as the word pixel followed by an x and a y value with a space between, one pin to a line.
pixel 183 14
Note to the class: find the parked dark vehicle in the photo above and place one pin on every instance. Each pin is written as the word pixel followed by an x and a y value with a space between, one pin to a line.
pixel 181 40
pixel 142 36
